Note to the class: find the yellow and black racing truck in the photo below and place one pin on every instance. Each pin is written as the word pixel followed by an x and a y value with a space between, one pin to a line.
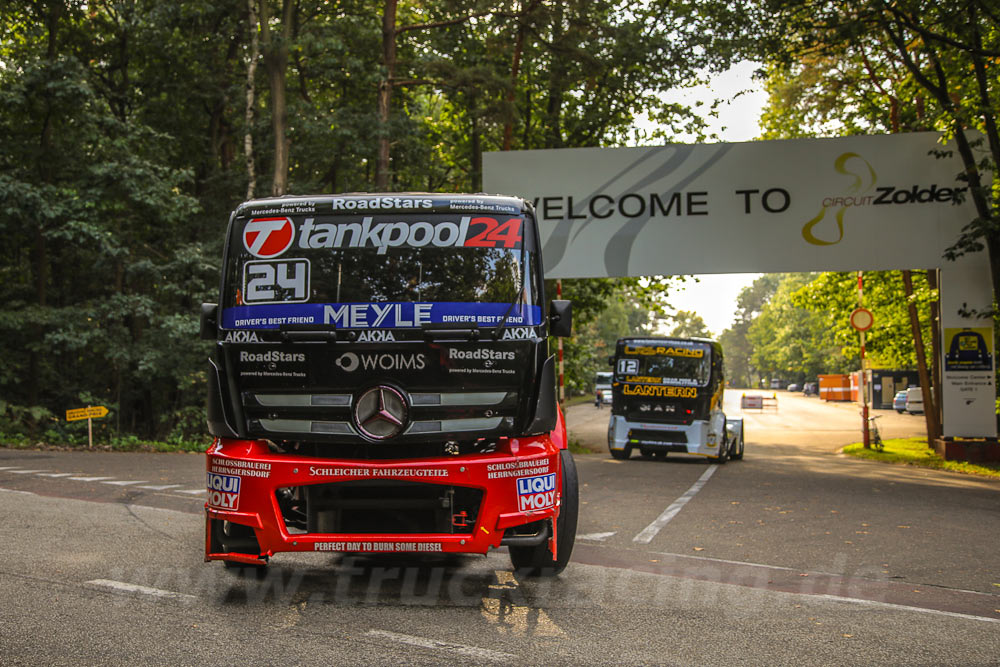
pixel 667 397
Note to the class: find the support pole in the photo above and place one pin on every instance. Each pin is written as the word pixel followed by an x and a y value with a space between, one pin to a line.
pixel 562 389
pixel 861 384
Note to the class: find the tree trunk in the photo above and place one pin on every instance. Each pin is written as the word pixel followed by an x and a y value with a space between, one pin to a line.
pixel 930 412
pixel 39 253
pixel 250 93
pixel 275 49
pixel 476 148
pixel 932 281
pixel 515 69
pixel 553 110
pixel 385 94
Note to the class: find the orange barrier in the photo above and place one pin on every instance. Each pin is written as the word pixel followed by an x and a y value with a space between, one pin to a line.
pixel 835 387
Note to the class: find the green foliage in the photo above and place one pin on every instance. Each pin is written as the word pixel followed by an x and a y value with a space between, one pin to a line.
pixel 740 369
pixel 869 66
pixel 122 133
pixel 790 342
pixel 889 343
pixel 604 310
pixel 914 451
pixel 688 324
pixel 797 326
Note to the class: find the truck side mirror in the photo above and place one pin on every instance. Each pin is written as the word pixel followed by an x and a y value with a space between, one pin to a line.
pixel 209 321
pixel 611 361
pixel 560 318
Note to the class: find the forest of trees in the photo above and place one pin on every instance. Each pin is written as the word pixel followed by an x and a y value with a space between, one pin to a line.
pixel 130 128
pixel 796 326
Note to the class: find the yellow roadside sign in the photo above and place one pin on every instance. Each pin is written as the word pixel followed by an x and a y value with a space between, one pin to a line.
pixel 93 412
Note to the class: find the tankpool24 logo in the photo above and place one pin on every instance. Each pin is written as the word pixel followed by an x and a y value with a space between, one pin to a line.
pixel 268 237
pixel 862 191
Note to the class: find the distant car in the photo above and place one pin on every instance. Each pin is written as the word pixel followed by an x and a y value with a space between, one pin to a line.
pixel 793 387
pixel 914 401
pixel 809 389
pixel 776 384
pixel 602 386
pixel 899 401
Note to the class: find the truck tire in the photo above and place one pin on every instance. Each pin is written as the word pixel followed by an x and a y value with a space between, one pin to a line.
pixel 234 537
pixel 723 452
pixel 623 453
pixel 537 561
pixel 737 455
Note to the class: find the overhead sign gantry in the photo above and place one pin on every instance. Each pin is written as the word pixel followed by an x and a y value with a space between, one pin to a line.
pixel 851 203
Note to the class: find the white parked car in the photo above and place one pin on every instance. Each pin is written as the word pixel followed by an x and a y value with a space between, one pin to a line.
pixel 914 401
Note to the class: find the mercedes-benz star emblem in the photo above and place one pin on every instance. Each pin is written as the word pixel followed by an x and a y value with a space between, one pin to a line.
pixel 380 413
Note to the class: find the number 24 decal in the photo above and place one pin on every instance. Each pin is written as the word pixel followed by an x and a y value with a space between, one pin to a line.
pixel 276 281
pixel 508 233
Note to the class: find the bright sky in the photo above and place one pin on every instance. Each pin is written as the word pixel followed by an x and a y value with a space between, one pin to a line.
pixel 714 296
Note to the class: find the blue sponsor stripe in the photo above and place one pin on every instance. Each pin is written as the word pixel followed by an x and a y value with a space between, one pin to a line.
pixel 387 315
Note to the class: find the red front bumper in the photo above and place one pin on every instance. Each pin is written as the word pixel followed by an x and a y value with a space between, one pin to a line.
pixel 244 478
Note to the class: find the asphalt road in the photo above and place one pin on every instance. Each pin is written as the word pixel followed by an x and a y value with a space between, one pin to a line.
pixel 795 555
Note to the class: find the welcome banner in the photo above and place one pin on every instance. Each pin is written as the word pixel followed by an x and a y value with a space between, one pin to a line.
pixel 866 202
pixel 844 204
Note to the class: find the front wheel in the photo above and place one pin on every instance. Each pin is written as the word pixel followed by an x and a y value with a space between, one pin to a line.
pixel 737 454
pixel 537 561
pixel 622 454
pixel 723 452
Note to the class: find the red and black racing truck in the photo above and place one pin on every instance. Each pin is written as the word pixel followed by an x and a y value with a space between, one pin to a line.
pixel 381 382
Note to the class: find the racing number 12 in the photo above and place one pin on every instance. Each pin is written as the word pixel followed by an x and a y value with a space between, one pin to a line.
pixel 508 233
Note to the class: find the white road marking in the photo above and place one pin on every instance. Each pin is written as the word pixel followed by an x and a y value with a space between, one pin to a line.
pixel 125 482
pixel 10 468
pixel 23 493
pixel 89 479
pixel 57 474
pixel 905 607
pixel 27 472
pixel 192 491
pixel 596 537
pixel 144 590
pixel 650 531
pixel 161 487
pixel 423 642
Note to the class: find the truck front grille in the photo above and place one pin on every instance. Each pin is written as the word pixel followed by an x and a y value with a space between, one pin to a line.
pixel 368 507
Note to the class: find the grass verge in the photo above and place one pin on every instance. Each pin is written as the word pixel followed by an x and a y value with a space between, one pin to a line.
pixel 577 400
pixel 915 451
pixel 126 444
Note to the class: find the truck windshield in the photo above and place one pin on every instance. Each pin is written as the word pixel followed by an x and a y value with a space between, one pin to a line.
pixel 385 270
pixel 665 363
pixel 602 379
